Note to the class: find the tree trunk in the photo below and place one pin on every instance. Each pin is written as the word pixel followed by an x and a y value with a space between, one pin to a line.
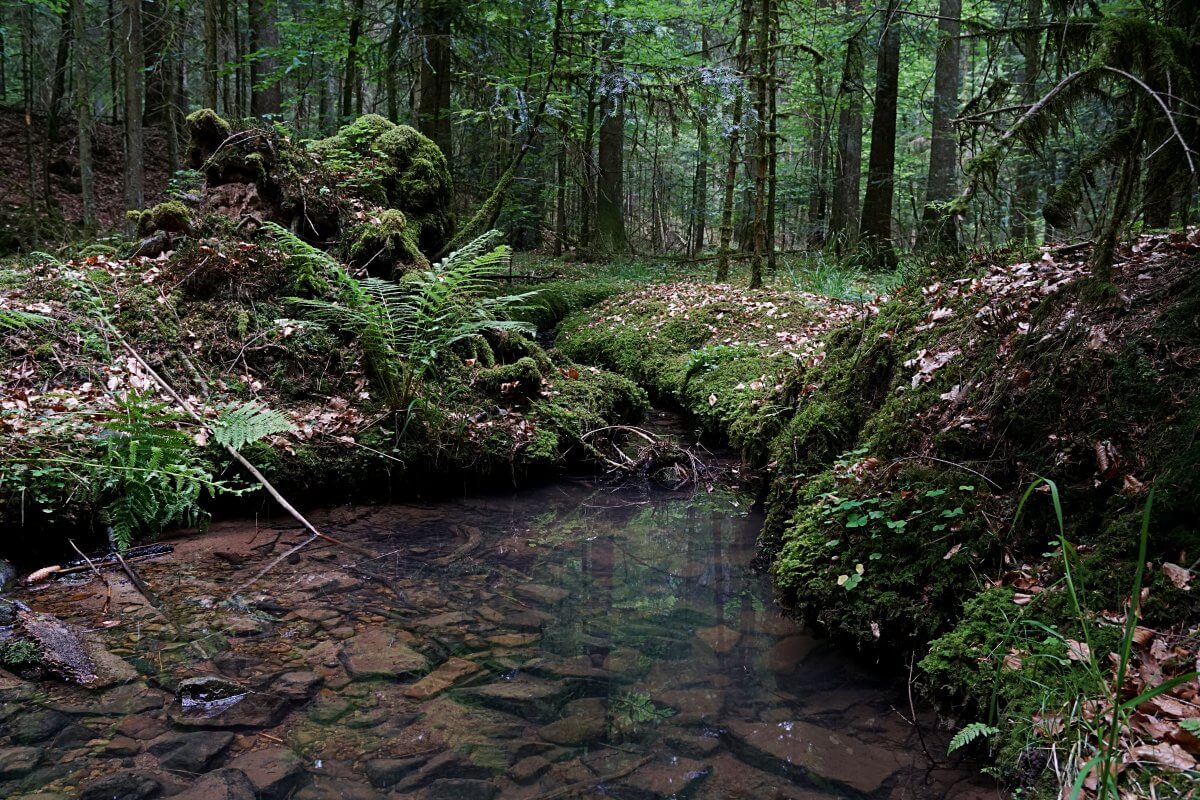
pixel 731 163
pixel 938 224
pixel 350 82
pixel 761 79
pixel 212 36
pixel 433 79
pixel 83 113
pixel 560 196
pixel 58 85
pixel 773 142
pixel 265 93
pixel 114 59
pixel 844 218
pixel 156 48
pixel 1030 43
pixel 610 199
pixel 700 185
pixel 881 167
pixel 134 93
pixel 391 56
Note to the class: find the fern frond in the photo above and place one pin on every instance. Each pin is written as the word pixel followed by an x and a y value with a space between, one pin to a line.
pixel 970 733
pixel 13 320
pixel 239 425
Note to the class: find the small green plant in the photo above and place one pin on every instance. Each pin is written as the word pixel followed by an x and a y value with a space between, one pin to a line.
pixel 19 653
pixel 239 425
pixel 632 710
pixel 969 733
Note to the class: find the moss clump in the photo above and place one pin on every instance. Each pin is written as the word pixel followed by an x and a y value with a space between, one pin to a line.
pixel 387 248
pixel 169 217
pixel 206 131
pixel 521 379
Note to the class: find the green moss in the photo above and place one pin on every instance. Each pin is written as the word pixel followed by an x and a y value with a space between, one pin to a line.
pixel 206 131
pixel 387 248
pixel 519 379
pixel 171 217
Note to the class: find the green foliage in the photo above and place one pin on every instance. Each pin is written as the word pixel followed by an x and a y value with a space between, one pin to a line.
pixel 17 653
pixel 14 320
pixel 631 711
pixel 969 733
pixel 239 425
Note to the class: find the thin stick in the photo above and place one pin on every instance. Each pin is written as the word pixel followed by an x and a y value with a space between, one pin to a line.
pixel 107 585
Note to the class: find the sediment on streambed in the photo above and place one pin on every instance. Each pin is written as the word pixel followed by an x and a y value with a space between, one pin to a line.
pixel 899 437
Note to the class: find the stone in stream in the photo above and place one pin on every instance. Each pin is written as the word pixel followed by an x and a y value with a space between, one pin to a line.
pixel 274 771
pixel 141 727
pixel 37 725
pixel 190 752
pixel 446 675
pixel 443 765
pixel 224 784
pixel 128 785
pixel 720 638
pixel 672 777
pixel 296 686
pixel 18 761
pixel 460 789
pixel 385 772
pixel 528 769
pixel 799 749
pixel 786 654
pixel 377 653
pixel 540 593
pixel 74 654
pixel 211 702
pixel 513 639
pixel 586 721
pixel 692 706
pixel 528 620
pixel 448 619
pixel 523 696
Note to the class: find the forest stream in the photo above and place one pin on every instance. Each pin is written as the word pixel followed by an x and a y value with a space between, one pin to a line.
pixel 580 639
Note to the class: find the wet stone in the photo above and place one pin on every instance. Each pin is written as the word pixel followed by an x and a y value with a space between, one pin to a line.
pixel 720 638
pixel 786 654
pixel 513 639
pixel 540 593
pixel 274 771
pixel 460 789
pixel 224 784
pixel 190 752
pixel 377 653
pixel 36 726
pixel 385 772
pixel 799 748
pixel 128 785
pixel 295 687
pixel 141 727
pixel 586 722
pixel 449 619
pixel 73 735
pixel 329 710
pixel 528 620
pixel 528 769
pixel 122 747
pixel 210 702
pixel 527 697
pixel 18 761
pixel 672 777
pixel 444 765
pixel 446 675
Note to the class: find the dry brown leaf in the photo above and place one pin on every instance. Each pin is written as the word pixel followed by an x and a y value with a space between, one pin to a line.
pixel 1178 575
pixel 1167 755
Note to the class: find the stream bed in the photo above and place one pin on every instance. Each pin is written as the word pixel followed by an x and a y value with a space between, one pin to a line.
pixel 577 640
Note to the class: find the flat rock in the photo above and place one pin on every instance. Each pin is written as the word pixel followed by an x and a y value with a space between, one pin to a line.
pixel 18 761
pixel 719 638
pixel 446 675
pixel 786 654
pixel 211 702
pixel 128 785
pixel 528 697
pixel 274 771
pixel 443 765
pixel 37 725
pixel 73 654
pixel 574 731
pixel 190 752
pixel 448 619
pixel 541 593
pixel 528 769
pixel 385 772
pixel 224 784
pixel 528 620
pixel 673 777
pixel 693 705
pixel 513 639
pixel 376 653
pixel 296 686
pixel 799 748
pixel 461 789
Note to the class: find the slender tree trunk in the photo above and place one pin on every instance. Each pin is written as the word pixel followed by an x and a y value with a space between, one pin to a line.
pixel 588 200
pixel 761 79
pixel 266 97
pixel 212 37
pixel 610 192
pixel 844 218
pixel 350 83
pixel 560 196
pixel 175 102
pixel 114 60
pixel 700 185
pixel 31 186
pixel 83 113
pixel 938 225
pixel 134 94
pixel 156 49
pixel 773 142
pixel 731 163
pixel 881 168
pixel 58 85
pixel 1030 42
pixel 392 56
pixel 227 96
pixel 433 79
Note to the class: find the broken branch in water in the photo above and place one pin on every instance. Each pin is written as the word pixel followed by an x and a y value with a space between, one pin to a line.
pixel 656 458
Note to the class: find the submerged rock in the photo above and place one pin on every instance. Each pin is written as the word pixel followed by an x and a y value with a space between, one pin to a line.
pixel 376 653
pixel 210 702
pixel 190 752
pixel 527 697
pixel 449 673
pixel 224 784
pixel 461 789
pixel 720 638
pixel 274 772
pixel 73 654
pixel 673 777
pixel 18 761
pixel 129 785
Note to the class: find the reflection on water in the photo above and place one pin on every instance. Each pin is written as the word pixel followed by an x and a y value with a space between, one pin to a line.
pixel 572 641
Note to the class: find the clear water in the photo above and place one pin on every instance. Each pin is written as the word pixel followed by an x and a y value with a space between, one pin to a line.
pixel 585 640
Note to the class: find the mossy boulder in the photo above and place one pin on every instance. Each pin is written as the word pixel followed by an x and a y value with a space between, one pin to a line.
pixel 386 247
pixel 206 131
pixel 169 217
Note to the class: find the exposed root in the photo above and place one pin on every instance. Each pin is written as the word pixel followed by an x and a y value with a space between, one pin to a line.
pixel 633 451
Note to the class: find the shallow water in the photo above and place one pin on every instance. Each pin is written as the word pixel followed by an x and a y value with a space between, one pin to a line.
pixel 576 640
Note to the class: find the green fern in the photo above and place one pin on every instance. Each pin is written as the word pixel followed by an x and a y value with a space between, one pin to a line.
pixel 970 733
pixel 239 425
pixel 13 320
pixel 404 328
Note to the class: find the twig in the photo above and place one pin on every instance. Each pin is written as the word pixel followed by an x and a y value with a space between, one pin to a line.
pixel 95 569
pixel 1187 152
